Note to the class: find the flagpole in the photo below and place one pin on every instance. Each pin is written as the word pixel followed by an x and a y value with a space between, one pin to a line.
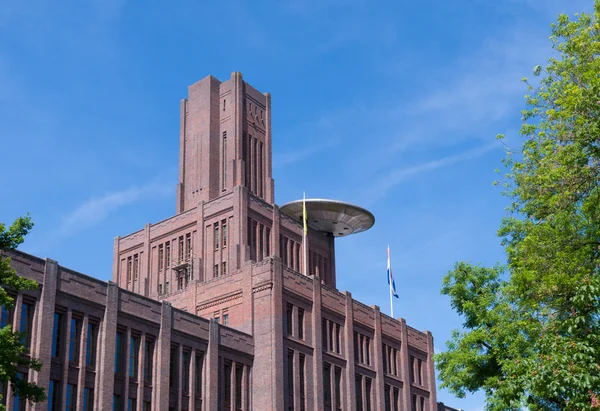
pixel 390 284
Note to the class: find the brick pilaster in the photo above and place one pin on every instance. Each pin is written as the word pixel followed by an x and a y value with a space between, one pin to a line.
pixel 105 375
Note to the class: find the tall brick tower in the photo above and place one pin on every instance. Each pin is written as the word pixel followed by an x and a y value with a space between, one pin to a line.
pixel 230 254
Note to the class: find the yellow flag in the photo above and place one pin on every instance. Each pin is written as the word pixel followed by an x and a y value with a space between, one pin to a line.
pixel 304 216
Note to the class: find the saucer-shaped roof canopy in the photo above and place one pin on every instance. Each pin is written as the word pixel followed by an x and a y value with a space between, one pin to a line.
pixel 332 216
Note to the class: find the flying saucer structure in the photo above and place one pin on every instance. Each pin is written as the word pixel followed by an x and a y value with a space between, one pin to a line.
pixel 333 217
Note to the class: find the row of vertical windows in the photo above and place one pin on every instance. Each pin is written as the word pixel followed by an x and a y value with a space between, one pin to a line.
pixel 416 365
pixel 391 398
pixel 362 349
pixel 220 272
pixel 133 267
pixel 230 390
pixel 318 265
pixel 253 152
pixel 167 259
pixel 294 324
pixel 222 316
pixel 290 378
pixel 290 253
pixel 331 336
pixel 223 240
pixel 74 339
pixel 224 161
pixel 390 360
pixel 418 403
pixel 26 323
pixel 332 382
pixel 259 240
pixel 363 392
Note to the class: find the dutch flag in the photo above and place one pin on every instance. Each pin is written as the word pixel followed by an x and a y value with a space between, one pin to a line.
pixel 391 282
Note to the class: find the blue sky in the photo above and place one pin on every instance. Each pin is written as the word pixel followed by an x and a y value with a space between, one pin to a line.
pixel 393 105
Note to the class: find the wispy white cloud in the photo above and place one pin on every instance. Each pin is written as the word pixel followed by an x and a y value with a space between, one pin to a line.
pixel 95 210
pixel 396 176
pixel 291 157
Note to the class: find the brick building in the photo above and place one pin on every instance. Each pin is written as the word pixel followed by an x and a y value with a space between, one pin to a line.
pixel 218 307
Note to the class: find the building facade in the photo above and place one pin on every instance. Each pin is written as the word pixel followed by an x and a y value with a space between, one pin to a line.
pixel 217 307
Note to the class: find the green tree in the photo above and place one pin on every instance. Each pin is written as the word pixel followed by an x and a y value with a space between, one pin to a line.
pixel 12 352
pixel 531 327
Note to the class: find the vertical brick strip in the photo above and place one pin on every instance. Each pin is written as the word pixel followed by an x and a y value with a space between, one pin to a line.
pixel 431 372
pixel 378 353
pixel 212 366
pixel 105 378
pixel 317 344
pixel 405 366
pixel 350 369
pixel 162 358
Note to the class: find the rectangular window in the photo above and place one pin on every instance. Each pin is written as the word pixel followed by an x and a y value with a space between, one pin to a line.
pixel 268 242
pixel 53 400
pixel 134 349
pixel 414 403
pixel 173 364
pixel 216 273
pixel 289 319
pixel 119 352
pixel 338 388
pixel 224 268
pixel 239 373
pixel 331 334
pixel 185 373
pixel 5 316
pixel 300 323
pixel 290 380
pixel 57 335
pixel 74 338
pixel 26 323
pixel 302 382
pixel 180 251
pixel 285 251
pixel 216 231
pixel 71 400
pixel 358 390
pixel 420 371
pixel 396 402
pixel 131 404
pixel 324 334
pixel 136 266
pixel 188 246
pixel 338 339
pixel 168 253
pixel 367 351
pixel 368 393
pixel 129 268
pixel 327 386
pixel 386 398
pixel 225 319
pixel 227 384
pixel 116 403
pixel 224 229
pixel 88 399
pixel 148 354
pixel 147 406
pixel 161 257
pixel 422 403
pixel 261 250
pixel 199 360
pixel 91 344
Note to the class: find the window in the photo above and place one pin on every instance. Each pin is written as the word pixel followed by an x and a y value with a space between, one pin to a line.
pixel 420 371
pixel 290 380
pixel 136 267
pixel 216 230
pixel 289 319
pixel 327 386
pixel 116 403
pixel 134 348
pixel 173 364
pixel 19 403
pixel 358 390
pixel 368 394
pixel 129 269
pixel 148 353
pixel 160 289
pixel 185 373
pixel 338 388
pixel 216 273
pixel 160 257
pixel 390 355
pixel 386 397
pixel 396 402
pixel 71 400
pixel 422 403
pixel 5 316
pixel 302 360
pixel 224 225
pixel 53 401
pixel 131 403
pixel 239 373
pixel 188 246
pixel 88 399
pixel 260 242
pixel 199 360
pixel 225 319
pixel 180 251
pixel 74 338
pixel 224 104
pixel 331 336
pixel 56 335
pixel 268 242
pixel 91 344
pixel 300 323
pixel 119 352
pixel 414 403
pixel 168 253
pixel 227 384
pixel 26 323
pixel 224 268
pixel 147 406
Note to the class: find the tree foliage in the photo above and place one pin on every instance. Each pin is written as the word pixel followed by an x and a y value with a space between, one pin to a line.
pixel 13 355
pixel 531 333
